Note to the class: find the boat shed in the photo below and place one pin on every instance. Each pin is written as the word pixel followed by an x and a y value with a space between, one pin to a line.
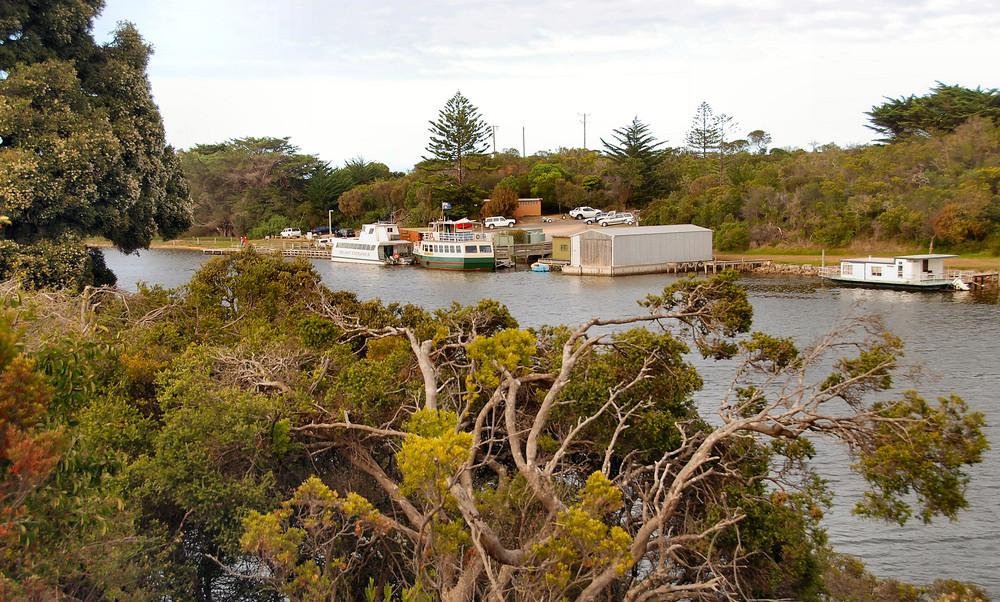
pixel 619 251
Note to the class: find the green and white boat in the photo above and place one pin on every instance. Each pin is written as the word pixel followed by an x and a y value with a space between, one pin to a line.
pixel 455 245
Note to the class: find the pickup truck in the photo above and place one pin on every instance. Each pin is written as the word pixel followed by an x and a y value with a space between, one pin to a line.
pixel 584 213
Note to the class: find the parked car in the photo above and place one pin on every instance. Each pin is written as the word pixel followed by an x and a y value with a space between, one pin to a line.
pixel 583 212
pixel 498 221
pixel 291 233
pixel 593 219
pixel 320 230
pixel 613 219
pixel 345 233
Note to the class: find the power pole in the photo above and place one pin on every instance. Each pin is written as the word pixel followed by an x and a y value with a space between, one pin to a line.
pixel 493 130
pixel 584 122
pixel 524 148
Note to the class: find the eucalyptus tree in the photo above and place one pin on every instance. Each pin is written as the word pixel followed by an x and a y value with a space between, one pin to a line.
pixel 458 132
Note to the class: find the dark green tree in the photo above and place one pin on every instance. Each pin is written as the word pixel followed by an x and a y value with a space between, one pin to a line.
pixel 636 153
pixel 81 142
pixel 943 110
pixel 459 131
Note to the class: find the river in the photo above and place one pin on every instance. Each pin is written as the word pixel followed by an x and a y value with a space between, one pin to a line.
pixel 956 335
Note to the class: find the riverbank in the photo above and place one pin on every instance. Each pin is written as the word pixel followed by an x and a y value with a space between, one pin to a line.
pixel 783 261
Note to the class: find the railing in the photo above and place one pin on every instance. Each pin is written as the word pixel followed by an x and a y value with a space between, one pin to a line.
pixel 948 275
pixel 453 236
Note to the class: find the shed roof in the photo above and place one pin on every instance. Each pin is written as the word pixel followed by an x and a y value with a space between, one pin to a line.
pixel 643 230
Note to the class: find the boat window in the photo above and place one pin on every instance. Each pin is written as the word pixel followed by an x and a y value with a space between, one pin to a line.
pixel 847 269
pixel 484 249
pixel 451 249
pixel 470 248
pixel 877 270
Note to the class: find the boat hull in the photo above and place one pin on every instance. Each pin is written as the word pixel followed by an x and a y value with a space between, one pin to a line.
pixel 906 286
pixel 457 263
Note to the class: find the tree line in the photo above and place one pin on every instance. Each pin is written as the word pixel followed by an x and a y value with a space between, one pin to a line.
pixel 933 182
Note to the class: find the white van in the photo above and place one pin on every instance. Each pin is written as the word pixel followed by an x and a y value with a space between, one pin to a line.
pixel 291 233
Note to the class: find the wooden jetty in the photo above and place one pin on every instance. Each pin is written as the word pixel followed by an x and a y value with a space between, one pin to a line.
pixel 313 252
pixel 506 256
pixel 982 279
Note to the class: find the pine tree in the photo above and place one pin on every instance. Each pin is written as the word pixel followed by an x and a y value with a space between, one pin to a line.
pixel 704 137
pixel 458 132
pixel 636 155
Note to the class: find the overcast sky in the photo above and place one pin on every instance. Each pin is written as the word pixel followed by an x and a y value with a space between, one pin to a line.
pixel 352 78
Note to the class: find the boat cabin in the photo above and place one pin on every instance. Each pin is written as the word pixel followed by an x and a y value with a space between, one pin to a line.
pixel 907 271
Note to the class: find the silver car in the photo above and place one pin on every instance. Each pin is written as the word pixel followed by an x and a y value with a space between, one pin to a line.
pixel 613 219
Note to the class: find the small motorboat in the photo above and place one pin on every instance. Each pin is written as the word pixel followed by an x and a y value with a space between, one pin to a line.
pixel 539 267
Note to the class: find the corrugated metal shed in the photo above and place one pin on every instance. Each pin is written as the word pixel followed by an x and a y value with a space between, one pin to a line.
pixel 638 249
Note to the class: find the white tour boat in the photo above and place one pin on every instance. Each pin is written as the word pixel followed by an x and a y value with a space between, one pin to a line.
pixel 376 243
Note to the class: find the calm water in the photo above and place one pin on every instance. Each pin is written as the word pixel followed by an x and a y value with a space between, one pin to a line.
pixel 955 334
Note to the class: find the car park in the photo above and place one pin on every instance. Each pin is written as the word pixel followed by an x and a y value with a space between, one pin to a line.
pixel 584 212
pixel 290 233
pixel 613 219
pixel 498 221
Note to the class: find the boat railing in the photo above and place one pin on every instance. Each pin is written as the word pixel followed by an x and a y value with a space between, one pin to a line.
pixel 452 236
pixel 833 271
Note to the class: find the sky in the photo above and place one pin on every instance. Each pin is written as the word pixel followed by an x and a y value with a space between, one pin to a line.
pixel 348 79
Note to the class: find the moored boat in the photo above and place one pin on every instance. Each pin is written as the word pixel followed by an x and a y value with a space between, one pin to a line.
pixel 376 243
pixel 455 245
pixel 915 272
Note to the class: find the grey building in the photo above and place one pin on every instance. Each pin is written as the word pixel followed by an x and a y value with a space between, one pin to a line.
pixel 619 251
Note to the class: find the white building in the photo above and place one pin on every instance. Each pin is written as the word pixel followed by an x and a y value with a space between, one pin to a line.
pixel 620 251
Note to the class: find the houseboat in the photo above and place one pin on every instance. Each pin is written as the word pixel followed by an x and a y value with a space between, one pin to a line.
pixel 455 245
pixel 376 243
pixel 917 272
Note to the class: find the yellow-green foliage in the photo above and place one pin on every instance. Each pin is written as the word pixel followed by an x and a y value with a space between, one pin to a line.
pixel 303 542
pixel 432 454
pixel 509 349
pixel 925 457
pixel 582 541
